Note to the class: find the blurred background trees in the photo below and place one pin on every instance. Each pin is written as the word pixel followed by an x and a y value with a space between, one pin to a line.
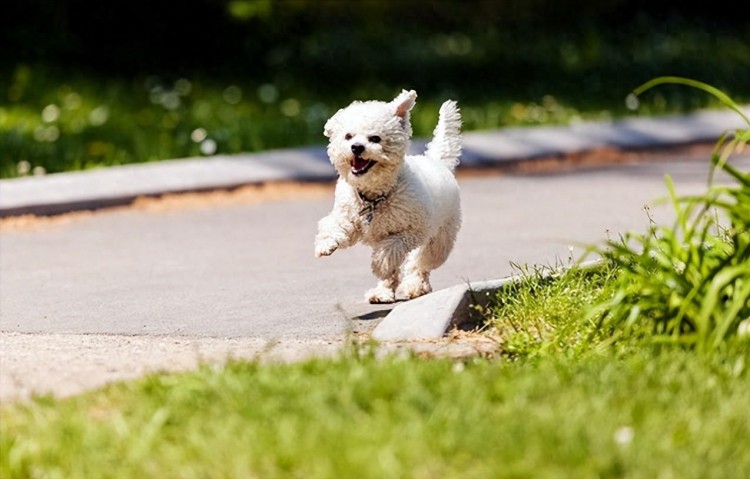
pixel 478 47
pixel 292 62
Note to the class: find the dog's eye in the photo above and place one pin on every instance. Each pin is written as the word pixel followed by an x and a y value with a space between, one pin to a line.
pixel 348 136
pixel 374 139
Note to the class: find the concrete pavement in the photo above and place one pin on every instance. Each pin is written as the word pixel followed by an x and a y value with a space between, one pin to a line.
pixel 247 270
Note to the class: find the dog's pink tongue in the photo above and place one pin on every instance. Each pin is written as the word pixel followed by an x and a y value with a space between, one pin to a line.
pixel 359 163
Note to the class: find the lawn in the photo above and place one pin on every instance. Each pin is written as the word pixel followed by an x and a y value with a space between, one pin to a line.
pixel 640 413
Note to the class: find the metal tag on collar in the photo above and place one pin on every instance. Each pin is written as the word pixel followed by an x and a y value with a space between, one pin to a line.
pixel 370 205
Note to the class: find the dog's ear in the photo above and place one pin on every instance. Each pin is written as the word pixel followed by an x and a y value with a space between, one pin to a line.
pixel 404 102
pixel 331 125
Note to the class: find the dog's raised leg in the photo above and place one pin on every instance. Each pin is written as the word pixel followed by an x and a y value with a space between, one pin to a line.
pixel 415 276
pixel 335 231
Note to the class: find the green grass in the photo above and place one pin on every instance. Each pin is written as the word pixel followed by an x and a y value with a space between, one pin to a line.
pixel 689 282
pixel 73 123
pixel 545 311
pixel 554 311
pixel 643 414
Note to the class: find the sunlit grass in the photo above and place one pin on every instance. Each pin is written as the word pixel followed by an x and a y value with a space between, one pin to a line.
pixel 80 124
pixel 689 282
pixel 642 415
pixel 544 312
pixel 685 284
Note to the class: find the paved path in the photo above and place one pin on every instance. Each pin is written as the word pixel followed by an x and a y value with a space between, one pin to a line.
pixel 249 271
pixel 79 300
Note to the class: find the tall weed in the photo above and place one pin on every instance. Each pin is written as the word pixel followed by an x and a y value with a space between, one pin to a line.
pixel 689 283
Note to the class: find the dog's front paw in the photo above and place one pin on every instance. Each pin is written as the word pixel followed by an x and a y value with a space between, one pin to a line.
pixel 324 246
pixel 380 295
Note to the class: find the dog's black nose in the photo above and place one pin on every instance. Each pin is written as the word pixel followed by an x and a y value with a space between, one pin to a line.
pixel 358 148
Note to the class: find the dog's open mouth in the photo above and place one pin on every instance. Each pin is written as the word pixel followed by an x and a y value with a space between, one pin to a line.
pixel 360 166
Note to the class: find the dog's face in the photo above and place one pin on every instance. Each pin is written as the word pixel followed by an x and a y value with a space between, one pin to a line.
pixel 368 140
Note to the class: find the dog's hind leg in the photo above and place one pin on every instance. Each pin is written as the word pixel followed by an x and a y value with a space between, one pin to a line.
pixel 437 250
pixel 415 280
pixel 387 258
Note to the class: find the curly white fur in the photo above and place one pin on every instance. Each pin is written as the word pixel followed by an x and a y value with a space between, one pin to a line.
pixel 407 208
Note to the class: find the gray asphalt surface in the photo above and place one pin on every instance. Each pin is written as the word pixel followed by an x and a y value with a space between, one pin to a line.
pixel 248 271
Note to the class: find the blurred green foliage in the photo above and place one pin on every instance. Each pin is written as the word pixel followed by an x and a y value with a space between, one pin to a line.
pixel 86 83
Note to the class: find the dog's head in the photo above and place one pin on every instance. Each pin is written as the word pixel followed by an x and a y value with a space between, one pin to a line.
pixel 368 140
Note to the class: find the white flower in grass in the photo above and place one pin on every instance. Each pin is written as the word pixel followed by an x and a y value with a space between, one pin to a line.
pixel 290 107
pixel 170 100
pixel 23 167
pixel 99 115
pixel 631 102
pixel 198 135
pixel 208 147
pixel 47 133
pixel 50 113
pixel 624 435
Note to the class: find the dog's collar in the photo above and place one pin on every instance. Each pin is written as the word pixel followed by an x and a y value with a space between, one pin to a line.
pixel 370 204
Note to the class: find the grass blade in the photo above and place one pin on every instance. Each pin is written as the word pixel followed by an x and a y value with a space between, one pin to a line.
pixel 715 92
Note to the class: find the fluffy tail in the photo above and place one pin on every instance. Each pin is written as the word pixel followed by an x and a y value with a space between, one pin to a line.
pixel 446 141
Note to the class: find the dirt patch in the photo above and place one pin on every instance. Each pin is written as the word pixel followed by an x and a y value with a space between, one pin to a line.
pixel 33 222
pixel 594 158
pixel 248 194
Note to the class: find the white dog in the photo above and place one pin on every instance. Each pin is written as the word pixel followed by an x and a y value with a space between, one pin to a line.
pixel 407 208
